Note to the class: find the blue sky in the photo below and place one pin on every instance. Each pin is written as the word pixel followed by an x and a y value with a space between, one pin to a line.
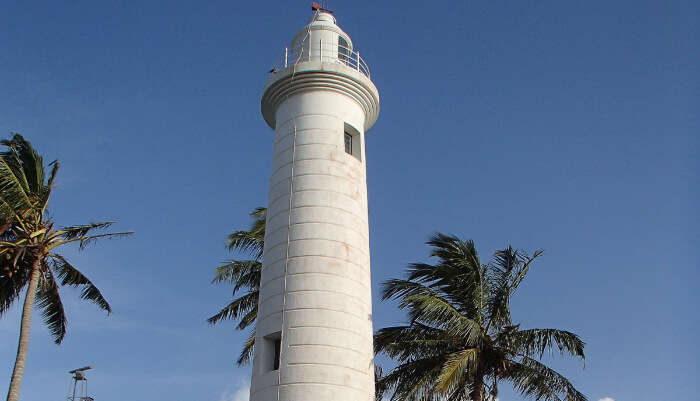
pixel 568 126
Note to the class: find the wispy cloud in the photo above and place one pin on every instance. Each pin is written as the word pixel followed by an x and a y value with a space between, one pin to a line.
pixel 607 399
pixel 240 394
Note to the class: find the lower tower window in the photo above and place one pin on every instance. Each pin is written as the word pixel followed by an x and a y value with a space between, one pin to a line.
pixel 278 349
pixel 272 350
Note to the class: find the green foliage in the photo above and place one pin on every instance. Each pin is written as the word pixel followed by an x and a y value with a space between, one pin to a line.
pixel 460 340
pixel 28 237
pixel 244 275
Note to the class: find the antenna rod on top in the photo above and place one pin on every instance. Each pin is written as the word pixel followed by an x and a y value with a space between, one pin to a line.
pixel 317 7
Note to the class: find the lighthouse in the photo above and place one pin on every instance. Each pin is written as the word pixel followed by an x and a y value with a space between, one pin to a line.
pixel 313 339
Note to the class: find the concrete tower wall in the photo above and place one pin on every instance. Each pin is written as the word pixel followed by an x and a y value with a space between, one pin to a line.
pixel 314 330
pixel 328 328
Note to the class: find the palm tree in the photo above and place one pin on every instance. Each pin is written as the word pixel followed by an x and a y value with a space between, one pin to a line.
pixel 28 248
pixel 460 341
pixel 244 275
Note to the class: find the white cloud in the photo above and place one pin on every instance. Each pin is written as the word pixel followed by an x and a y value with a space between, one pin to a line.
pixel 602 399
pixel 240 394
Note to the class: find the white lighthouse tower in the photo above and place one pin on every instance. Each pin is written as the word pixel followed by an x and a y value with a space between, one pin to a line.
pixel 314 331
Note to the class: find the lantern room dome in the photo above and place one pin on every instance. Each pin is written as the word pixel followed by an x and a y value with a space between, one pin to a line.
pixel 321 32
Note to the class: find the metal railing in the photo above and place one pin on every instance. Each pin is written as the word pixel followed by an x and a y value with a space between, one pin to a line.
pixel 327 53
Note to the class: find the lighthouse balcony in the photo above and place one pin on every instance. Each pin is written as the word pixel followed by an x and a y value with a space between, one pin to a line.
pixel 326 52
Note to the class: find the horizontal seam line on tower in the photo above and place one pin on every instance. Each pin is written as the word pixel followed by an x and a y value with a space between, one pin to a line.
pixel 270 280
pixel 278 152
pixel 296 176
pixel 326 364
pixel 317 239
pixel 327 345
pixel 362 336
pixel 272 216
pixel 327 132
pixel 317 222
pixel 362 204
pixel 315 308
pixel 362 268
pixel 277 170
pixel 360 301
pixel 297 117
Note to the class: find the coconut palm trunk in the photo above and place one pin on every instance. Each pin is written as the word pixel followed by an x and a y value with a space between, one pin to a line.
pixel 477 391
pixel 25 327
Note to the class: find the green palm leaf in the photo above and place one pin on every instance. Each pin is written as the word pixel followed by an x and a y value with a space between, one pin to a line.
pixel 237 308
pixel 253 239
pixel 69 275
pixel 412 380
pixel 240 273
pixel 414 341
pixel 537 341
pixel 48 300
pixel 28 242
pixel 457 366
pixel 536 380
pixel 245 276
pixel 460 342
pixel 248 350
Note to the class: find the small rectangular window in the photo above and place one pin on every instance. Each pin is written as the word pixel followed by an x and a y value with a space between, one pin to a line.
pixel 278 348
pixel 271 351
pixel 348 143
pixel 352 140
pixel 343 50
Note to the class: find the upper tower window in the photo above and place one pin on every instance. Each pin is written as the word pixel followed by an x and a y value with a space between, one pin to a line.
pixel 351 140
pixel 348 143
pixel 343 50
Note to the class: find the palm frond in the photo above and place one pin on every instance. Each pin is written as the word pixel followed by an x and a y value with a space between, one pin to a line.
pixel 15 199
pixel 413 380
pixel 500 275
pixel 71 276
pixel 414 341
pixel 527 261
pixel 428 306
pixel 248 350
pixel 250 317
pixel 49 301
pixel 240 273
pixel 505 275
pixel 84 241
pixel 55 165
pixel 537 341
pixel 251 241
pixel 534 379
pixel 458 366
pixel 237 307
pixel 379 391
pixel 46 191
pixel 31 161
pixel 458 274
pixel 72 232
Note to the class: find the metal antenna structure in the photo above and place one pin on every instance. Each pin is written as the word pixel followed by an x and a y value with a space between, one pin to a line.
pixel 80 393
